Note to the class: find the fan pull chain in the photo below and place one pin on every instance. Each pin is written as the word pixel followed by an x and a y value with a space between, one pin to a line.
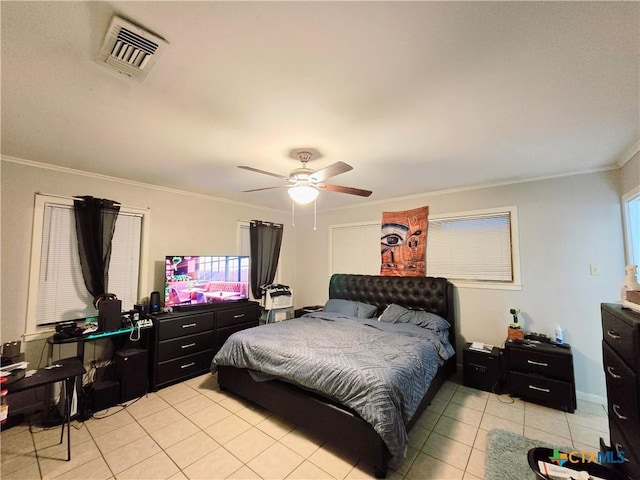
pixel 315 214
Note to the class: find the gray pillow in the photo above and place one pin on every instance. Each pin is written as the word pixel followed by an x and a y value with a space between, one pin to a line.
pixel 350 308
pixel 398 314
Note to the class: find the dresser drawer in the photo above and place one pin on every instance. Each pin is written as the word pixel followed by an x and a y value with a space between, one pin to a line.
pixel 188 366
pixel 559 367
pixel 185 325
pixel 622 386
pixel 622 393
pixel 187 345
pixel 236 315
pixel 188 338
pixel 224 333
pixel 627 422
pixel 621 442
pixel 553 393
pixel 621 332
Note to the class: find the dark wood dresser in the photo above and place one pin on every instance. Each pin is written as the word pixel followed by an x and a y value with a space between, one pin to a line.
pixel 187 340
pixel 621 359
pixel 541 373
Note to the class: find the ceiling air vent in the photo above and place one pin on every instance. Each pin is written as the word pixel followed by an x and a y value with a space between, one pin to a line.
pixel 129 49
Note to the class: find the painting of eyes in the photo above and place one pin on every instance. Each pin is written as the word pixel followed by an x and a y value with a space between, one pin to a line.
pixel 403 242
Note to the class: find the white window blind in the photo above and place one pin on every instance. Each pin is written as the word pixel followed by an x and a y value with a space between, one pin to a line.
pixel 62 294
pixel 355 249
pixel 124 268
pixel 474 247
pixel 245 238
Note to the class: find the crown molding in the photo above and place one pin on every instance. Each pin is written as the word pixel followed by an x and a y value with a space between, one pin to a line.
pixel 107 178
pixel 629 155
pixel 467 188
pixel 624 159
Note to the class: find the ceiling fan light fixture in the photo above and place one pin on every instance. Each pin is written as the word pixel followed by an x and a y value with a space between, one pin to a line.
pixel 303 194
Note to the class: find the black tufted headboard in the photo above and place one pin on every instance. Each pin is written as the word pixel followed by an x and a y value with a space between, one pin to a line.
pixel 432 294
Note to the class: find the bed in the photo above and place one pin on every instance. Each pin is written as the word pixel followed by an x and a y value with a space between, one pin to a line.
pixel 334 417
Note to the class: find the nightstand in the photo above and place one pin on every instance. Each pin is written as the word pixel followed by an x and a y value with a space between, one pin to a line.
pixel 541 373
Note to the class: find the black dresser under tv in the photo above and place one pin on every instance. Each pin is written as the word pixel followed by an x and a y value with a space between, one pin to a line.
pixel 187 340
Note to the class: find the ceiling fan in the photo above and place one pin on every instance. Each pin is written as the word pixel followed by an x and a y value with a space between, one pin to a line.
pixel 304 184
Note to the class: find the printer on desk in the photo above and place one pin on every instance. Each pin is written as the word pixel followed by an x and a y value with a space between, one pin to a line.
pixel 278 302
pixel 277 296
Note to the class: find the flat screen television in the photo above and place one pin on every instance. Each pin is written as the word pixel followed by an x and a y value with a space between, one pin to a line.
pixel 205 279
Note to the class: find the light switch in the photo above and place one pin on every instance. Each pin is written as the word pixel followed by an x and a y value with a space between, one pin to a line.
pixel 595 269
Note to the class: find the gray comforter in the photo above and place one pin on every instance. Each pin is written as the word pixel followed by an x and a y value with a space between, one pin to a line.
pixel 380 370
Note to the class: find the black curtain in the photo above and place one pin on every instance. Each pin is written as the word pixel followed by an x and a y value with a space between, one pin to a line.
pixel 265 240
pixel 95 224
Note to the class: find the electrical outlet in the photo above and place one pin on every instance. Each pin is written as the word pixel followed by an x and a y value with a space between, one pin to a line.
pixel 595 269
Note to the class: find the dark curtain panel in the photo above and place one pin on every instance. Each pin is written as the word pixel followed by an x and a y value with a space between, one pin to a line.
pixel 265 239
pixel 95 224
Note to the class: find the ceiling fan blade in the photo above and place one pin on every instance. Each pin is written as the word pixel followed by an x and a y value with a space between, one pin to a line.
pixel 251 169
pixel 331 171
pixel 265 188
pixel 349 190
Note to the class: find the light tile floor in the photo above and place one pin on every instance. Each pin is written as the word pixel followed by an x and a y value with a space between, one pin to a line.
pixel 193 430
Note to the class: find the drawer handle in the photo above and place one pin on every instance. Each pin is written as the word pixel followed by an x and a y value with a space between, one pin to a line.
pixel 188 365
pixel 540 364
pixel 188 345
pixel 610 372
pixel 613 334
pixel 240 315
pixel 189 325
pixel 615 410
pixel 545 390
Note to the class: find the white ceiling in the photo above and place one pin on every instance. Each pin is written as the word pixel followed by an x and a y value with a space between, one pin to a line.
pixel 416 96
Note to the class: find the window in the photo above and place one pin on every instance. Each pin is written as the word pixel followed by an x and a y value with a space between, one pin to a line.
pixel 472 249
pixel 355 248
pixel 631 215
pixel 56 290
pixel 473 246
pixel 244 238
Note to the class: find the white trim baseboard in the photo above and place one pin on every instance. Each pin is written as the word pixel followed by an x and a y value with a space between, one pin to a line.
pixel 590 397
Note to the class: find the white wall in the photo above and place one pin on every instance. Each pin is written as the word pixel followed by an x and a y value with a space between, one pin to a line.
pixel 180 223
pixel 565 224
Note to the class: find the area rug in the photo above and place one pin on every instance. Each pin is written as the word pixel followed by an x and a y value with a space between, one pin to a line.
pixel 506 456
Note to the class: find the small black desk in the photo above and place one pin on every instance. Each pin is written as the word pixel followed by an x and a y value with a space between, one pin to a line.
pixel 69 369
pixel 91 337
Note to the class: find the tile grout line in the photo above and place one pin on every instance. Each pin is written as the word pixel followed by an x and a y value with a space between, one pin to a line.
pixel 436 416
